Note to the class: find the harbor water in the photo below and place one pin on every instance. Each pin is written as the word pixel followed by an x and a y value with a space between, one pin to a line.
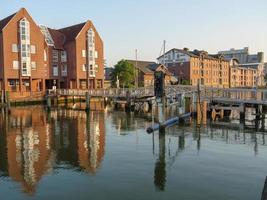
pixel 68 154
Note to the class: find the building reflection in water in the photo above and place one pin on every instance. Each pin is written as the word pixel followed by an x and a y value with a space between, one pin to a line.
pixel 167 151
pixel 169 148
pixel 32 143
pixel 79 139
pixel 27 143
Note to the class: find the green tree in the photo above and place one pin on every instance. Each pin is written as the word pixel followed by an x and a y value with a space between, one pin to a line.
pixel 124 71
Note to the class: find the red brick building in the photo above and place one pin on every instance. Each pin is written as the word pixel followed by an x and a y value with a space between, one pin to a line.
pixel 145 72
pixel 21 54
pixel 34 58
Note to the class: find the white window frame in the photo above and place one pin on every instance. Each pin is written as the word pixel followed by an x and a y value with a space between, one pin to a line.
pixel 84 53
pixel 64 71
pixel 33 49
pixel 15 64
pixel 55 56
pixel 15 48
pixel 45 55
pixel 55 70
pixel 33 65
pixel 84 67
pixel 63 56
pixel 96 54
pixel 25 49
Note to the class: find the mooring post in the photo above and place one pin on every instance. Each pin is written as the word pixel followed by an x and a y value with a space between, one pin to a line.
pixel 183 103
pixel 2 96
pixel 193 103
pixel 199 113
pixel 204 112
pixel 87 100
pixel 7 100
pixel 66 100
pixel 258 116
pixel 242 113
pixel 48 103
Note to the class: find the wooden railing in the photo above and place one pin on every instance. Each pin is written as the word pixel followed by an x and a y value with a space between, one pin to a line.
pixel 172 90
pixel 235 94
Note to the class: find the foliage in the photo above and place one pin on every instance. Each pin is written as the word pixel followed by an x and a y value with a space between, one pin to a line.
pixel 125 73
pixel 185 82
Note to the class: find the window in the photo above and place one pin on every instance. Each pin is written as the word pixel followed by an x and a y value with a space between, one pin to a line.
pixel 33 49
pixel 33 65
pixel 24 30
pixel 55 55
pixel 64 70
pixel 83 53
pixel 63 56
pixel 96 54
pixel 12 83
pixel 45 56
pixel 25 50
pixel 15 64
pixel 84 67
pixel 25 68
pixel 55 70
pixel 15 48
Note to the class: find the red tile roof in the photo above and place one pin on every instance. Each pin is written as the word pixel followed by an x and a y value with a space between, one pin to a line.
pixel 58 38
pixel 71 32
pixel 5 21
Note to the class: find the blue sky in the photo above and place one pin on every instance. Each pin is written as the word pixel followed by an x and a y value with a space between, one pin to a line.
pixel 126 25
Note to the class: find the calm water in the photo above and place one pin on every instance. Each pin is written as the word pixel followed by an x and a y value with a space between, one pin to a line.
pixel 109 155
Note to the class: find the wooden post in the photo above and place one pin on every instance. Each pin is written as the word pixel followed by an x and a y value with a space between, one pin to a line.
pixel 2 96
pixel 87 100
pixel 193 104
pixel 222 113
pixel 204 112
pixel 66 100
pixel 199 113
pixel 7 100
pixel 242 115
pixel 257 119
pixel 48 103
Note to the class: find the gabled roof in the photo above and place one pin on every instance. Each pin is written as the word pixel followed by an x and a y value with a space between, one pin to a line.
pixel 158 67
pixel 58 38
pixel 189 53
pixel 71 32
pixel 142 65
pixel 197 53
pixel 5 21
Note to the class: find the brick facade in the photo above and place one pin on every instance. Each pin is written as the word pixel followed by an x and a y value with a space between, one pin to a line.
pixel 197 66
pixel 34 58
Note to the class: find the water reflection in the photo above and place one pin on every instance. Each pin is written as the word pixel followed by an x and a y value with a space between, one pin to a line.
pixel 160 166
pixel 33 143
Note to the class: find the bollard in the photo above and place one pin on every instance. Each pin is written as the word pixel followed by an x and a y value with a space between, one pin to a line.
pixel 7 100
pixel 48 103
pixel 242 113
pixel 204 112
pixel 2 96
pixel 87 100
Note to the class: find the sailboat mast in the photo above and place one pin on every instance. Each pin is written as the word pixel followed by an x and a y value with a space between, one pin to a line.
pixel 136 70
pixel 164 51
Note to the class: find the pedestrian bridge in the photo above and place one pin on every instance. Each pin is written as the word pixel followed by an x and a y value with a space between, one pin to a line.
pixel 220 95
